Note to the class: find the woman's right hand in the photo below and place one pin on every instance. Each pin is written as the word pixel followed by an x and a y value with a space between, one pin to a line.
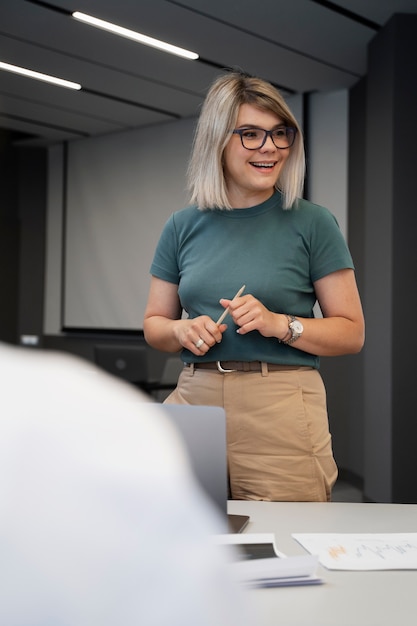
pixel 199 334
pixel 166 330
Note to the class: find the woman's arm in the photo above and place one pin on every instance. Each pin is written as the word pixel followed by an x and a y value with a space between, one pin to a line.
pixel 342 328
pixel 165 330
pixel 340 331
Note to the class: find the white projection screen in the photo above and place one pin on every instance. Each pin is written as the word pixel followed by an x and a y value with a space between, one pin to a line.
pixel 120 190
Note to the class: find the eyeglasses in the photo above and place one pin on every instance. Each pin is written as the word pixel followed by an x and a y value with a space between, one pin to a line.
pixel 254 138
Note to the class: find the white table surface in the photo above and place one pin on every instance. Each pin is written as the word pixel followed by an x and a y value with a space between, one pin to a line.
pixel 372 598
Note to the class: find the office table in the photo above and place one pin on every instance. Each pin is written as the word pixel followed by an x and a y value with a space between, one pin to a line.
pixel 347 598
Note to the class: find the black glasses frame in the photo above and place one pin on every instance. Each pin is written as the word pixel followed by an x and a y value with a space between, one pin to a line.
pixel 267 133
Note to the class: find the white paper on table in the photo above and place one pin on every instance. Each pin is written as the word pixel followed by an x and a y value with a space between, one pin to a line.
pixel 265 541
pixel 277 570
pixel 362 551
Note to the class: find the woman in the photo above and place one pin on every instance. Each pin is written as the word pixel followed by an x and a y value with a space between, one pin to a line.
pixel 249 226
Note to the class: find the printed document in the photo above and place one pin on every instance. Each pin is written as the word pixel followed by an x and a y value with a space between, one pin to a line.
pixel 362 551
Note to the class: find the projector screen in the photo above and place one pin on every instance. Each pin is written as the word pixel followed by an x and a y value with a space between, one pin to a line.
pixel 120 190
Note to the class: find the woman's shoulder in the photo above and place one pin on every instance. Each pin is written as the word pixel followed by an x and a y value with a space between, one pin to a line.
pixel 188 217
pixel 311 212
pixel 306 205
pixel 189 212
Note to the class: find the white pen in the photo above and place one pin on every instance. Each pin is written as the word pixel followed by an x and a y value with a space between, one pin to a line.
pixel 226 311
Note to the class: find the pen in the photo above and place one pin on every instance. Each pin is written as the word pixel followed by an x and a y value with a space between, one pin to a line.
pixel 226 311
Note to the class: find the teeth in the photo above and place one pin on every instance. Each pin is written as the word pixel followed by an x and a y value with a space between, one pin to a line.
pixel 268 165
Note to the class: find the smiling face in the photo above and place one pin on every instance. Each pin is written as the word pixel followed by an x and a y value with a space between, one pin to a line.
pixel 251 175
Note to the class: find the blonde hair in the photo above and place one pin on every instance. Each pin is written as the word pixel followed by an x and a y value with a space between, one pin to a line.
pixel 217 119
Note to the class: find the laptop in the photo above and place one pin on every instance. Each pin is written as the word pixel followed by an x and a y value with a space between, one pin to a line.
pixel 203 429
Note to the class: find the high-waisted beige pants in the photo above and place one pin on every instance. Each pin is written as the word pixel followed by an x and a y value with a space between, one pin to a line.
pixel 278 440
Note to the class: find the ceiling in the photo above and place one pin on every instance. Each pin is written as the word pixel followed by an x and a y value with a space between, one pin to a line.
pixel 299 45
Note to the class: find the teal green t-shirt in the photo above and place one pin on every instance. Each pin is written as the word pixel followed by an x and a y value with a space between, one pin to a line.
pixel 278 254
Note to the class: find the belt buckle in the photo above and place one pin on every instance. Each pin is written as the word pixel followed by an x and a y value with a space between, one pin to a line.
pixel 222 370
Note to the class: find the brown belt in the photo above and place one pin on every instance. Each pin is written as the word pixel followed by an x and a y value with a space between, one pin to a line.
pixel 241 366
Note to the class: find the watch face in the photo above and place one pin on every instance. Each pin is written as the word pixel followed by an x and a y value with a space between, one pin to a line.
pixel 297 327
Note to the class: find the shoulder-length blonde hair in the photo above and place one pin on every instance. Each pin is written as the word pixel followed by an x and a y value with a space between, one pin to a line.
pixel 217 119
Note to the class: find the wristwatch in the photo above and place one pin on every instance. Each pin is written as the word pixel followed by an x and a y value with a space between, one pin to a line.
pixel 296 329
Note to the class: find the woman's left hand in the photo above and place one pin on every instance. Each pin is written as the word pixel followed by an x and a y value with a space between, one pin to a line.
pixel 341 330
pixel 250 314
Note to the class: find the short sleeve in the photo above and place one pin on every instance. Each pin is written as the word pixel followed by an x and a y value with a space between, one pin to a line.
pixel 165 261
pixel 329 250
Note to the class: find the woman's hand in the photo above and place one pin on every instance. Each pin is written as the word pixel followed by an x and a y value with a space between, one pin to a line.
pixel 341 330
pixel 250 314
pixel 165 329
pixel 199 334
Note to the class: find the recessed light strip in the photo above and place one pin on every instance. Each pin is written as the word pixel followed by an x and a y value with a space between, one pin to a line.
pixel 131 34
pixel 16 69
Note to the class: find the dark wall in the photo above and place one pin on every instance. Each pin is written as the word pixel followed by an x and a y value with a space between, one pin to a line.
pixel 23 182
pixel 9 238
pixel 32 202
pixel 404 294
pixel 390 260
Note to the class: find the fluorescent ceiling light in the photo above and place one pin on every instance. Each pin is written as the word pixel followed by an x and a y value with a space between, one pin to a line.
pixel 131 34
pixel 45 77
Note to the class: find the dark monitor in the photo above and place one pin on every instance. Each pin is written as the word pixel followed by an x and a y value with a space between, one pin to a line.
pixel 129 362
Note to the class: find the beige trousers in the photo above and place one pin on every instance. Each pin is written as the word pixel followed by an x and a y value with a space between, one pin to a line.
pixel 278 440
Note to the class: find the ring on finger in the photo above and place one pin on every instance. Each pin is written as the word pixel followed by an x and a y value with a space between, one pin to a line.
pixel 199 343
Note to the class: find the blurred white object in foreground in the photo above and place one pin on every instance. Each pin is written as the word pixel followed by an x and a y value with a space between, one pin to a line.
pixel 101 520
